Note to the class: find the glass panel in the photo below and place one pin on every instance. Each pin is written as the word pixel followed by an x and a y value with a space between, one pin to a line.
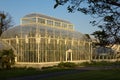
pixel 49 22
pixel 70 26
pixel 57 24
pixel 64 25
pixel 40 20
pixel 28 20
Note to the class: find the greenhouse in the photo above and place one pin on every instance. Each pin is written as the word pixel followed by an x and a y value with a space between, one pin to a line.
pixel 40 38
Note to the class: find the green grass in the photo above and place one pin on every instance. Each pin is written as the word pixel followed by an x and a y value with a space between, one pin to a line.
pixel 4 74
pixel 112 74
pixel 90 75
pixel 18 72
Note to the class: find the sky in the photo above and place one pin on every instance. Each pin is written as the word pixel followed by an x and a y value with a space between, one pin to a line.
pixel 19 8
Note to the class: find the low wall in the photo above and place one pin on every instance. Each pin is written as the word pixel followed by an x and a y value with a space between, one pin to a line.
pixel 44 64
pixel 35 65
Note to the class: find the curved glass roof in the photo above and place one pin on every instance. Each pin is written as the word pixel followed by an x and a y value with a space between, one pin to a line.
pixel 33 29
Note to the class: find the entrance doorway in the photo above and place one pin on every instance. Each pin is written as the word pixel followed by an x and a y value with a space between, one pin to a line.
pixel 69 55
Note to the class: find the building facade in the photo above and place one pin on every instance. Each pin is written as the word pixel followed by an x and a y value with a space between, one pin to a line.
pixel 40 38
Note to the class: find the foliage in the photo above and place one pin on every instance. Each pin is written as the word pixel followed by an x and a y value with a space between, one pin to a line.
pixel 49 67
pixel 101 63
pixel 106 11
pixel 5 21
pixel 87 37
pixel 102 38
pixel 7 58
pixel 67 65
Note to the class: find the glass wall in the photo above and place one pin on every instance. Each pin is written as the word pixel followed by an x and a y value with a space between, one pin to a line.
pixel 45 49
pixel 29 20
pixel 48 22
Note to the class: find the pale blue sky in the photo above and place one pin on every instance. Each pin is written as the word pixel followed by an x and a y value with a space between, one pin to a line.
pixel 19 8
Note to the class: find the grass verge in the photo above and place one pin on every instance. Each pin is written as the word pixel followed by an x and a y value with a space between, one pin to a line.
pixel 20 72
pixel 90 75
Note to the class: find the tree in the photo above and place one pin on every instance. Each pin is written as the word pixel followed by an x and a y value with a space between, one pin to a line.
pixel 107 11
pixel 7 58
pixel 87 37
pixel 5 21
pixel 101 36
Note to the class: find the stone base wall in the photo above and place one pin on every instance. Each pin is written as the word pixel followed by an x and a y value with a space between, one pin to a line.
pixel 45 64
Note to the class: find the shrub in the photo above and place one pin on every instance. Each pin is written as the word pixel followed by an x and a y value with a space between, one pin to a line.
pixel 67 64
pixel 49 67
pixel 84 63
pixel 101 63
pixel 7 59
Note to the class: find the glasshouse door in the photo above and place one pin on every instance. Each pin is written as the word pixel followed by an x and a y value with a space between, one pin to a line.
pixel 69 55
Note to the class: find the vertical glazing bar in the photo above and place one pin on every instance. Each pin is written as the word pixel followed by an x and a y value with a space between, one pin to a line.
pixel 38 53
pixel 71 55
pixel 66 55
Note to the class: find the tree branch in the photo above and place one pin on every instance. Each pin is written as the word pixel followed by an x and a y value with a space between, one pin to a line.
pixel 113 3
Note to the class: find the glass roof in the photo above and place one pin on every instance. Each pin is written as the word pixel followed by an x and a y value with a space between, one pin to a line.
pixel 33 29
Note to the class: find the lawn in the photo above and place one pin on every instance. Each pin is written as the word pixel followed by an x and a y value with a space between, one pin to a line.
pixel 20 72
pixel 90 75
pixel 100 74
pixel 113 74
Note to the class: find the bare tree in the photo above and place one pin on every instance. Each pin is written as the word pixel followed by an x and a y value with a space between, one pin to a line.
pixel 5 21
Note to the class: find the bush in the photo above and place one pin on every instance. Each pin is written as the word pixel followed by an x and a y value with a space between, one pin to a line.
pixel 67 64
pixel 7 59
pixel 101 63
pixel 49 67
pixel 84 64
